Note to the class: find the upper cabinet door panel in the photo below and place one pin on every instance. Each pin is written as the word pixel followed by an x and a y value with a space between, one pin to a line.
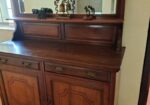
pixel 21 89
pixel 41 29
pixel 99 34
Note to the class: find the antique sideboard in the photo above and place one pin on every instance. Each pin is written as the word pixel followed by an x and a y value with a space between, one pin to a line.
pixel 62 61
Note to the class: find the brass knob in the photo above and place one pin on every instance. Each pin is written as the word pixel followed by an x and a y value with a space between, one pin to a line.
pixel 91 74
pixel 4 61
pixel 59 69
pixel 27 64
pixel 0 60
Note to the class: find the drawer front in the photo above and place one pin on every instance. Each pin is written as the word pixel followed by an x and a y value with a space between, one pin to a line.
pixel 41 29
pixel 77 71
pixel 26 63
pixel 91 33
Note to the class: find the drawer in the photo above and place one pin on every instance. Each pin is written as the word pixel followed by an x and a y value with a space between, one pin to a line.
pixel 26 63
pixel 77 71
pixel 41 29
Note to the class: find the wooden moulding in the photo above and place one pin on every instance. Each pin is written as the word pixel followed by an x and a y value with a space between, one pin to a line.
pixel 71 20
pixel 106 32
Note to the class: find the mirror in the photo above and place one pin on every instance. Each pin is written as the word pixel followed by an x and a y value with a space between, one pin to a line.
pixel 101 6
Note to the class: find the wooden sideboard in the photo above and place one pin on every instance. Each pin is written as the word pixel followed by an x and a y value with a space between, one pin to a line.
pixel 62 61
pixel 49 73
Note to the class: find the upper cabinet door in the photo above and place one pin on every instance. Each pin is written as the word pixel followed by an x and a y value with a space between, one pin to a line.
pixel 21 89
pixel 66 90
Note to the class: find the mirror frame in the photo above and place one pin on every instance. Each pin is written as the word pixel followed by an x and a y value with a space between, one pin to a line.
pixel 119 11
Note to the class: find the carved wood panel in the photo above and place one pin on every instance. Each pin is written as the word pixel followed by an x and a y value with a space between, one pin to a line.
pixel 41 29
pixel 73 91
pixel 99 34
pixel 21 89
pixel 66 94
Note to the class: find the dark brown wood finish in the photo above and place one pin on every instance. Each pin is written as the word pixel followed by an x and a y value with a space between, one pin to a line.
pixel 27 87
pixel 2 91
pixel 23 86
pixel 103 20
pixel 100 34
pixel 120 8
pixel 62 61
pixel 68 90
pixel 93 63
pixel 41 29
pixel 25 63
pixel 80 72
pixel 96 29
pixel 97 32
pixel 97 57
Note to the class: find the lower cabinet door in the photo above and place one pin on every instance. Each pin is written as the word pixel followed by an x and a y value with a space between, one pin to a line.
pixel 67 90
pixel 21 89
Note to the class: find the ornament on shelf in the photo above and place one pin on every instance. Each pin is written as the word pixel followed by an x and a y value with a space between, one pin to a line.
pixel 43 13
pixel 64 8
pixel 90 12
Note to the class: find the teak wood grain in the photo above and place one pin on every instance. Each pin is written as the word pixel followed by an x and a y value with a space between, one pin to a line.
pixel 24 63
pixel 77 71
pixel 51 30
pixel 75 91
pixel 21 89
pixel 62 61
pixel 22 86
pixel 106 32
pixel 95 57
pixel 108 20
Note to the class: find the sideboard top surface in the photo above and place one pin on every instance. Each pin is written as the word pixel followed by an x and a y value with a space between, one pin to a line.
pixel 96 57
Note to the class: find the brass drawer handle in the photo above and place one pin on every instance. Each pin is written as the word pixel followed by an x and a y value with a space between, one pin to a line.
pixel 90 74
pixel 27 64
pixel 4 61
pixel 59 69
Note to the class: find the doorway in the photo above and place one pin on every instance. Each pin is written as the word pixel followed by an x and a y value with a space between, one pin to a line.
pixel 144 98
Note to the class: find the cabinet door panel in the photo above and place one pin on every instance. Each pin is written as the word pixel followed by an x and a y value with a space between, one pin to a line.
pixel 85 96
pixel 67 90
pixel 61 93
pixel 21 89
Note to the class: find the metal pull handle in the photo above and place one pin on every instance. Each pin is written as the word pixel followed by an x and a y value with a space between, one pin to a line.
pixel 91 74
pixel 27 64
pixel 59 69
pixel 4 61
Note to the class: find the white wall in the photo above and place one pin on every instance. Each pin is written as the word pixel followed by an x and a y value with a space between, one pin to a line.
pixel 137 16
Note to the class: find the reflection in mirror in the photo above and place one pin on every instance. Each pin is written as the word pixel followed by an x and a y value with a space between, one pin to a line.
pixel 101 6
